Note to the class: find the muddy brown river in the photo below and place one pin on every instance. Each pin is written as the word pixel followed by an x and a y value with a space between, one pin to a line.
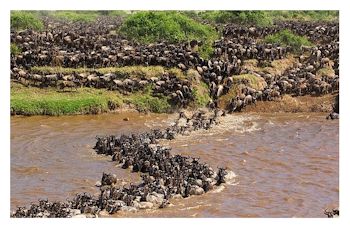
pixel 287 164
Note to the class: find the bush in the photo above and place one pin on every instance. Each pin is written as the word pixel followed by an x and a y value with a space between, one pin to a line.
pixel 174 27
pixel 288 38
pixel 25 20
pixel 258 18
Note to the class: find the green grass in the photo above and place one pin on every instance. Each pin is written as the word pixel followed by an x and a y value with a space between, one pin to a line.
pixel 37 101
pixel 200 89
pixel 116 13
pixel 14 49
pixel 171 26
pixel 201 94
pixel 255 82
pixel 143 101
pixel 50 101
pixel 21 20
pixel 326 71
pixel 304 15
pixel 263 18
pixel 288 38
pixel 76 16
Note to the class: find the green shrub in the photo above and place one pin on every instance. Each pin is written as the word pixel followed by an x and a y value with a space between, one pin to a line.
pixel 258 18
pixel 171 26
pixel 14 49
pixel 288 38
pixel 25 20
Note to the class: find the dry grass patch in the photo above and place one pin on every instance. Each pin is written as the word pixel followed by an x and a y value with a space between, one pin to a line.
pixel 278 67
pixel 291 104
pixel 122 72
pixel 325 72
pixel 254 81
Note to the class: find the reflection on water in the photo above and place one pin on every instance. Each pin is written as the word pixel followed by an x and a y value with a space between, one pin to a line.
pixel 287 164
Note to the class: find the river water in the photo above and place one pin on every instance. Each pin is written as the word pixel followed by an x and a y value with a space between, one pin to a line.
pixel 287 164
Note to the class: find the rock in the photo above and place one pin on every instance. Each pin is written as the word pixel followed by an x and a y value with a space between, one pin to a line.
pixel 126 119
pixel 146 205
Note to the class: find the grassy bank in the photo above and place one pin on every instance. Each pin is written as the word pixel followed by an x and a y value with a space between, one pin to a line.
pixel 289 104
pixel 51 101
pixel 288 38
pixel 276 67
pixel 36 101
pixel 254 81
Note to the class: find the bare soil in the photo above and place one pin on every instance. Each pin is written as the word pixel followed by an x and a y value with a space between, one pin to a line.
pixel 291 104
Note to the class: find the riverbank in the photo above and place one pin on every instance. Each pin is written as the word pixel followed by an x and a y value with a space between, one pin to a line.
pixel 289 104
pixel 50 101
pixel 30 100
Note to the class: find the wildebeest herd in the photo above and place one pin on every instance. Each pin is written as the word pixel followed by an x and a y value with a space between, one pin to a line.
pixel 96 45
pixel 164 176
